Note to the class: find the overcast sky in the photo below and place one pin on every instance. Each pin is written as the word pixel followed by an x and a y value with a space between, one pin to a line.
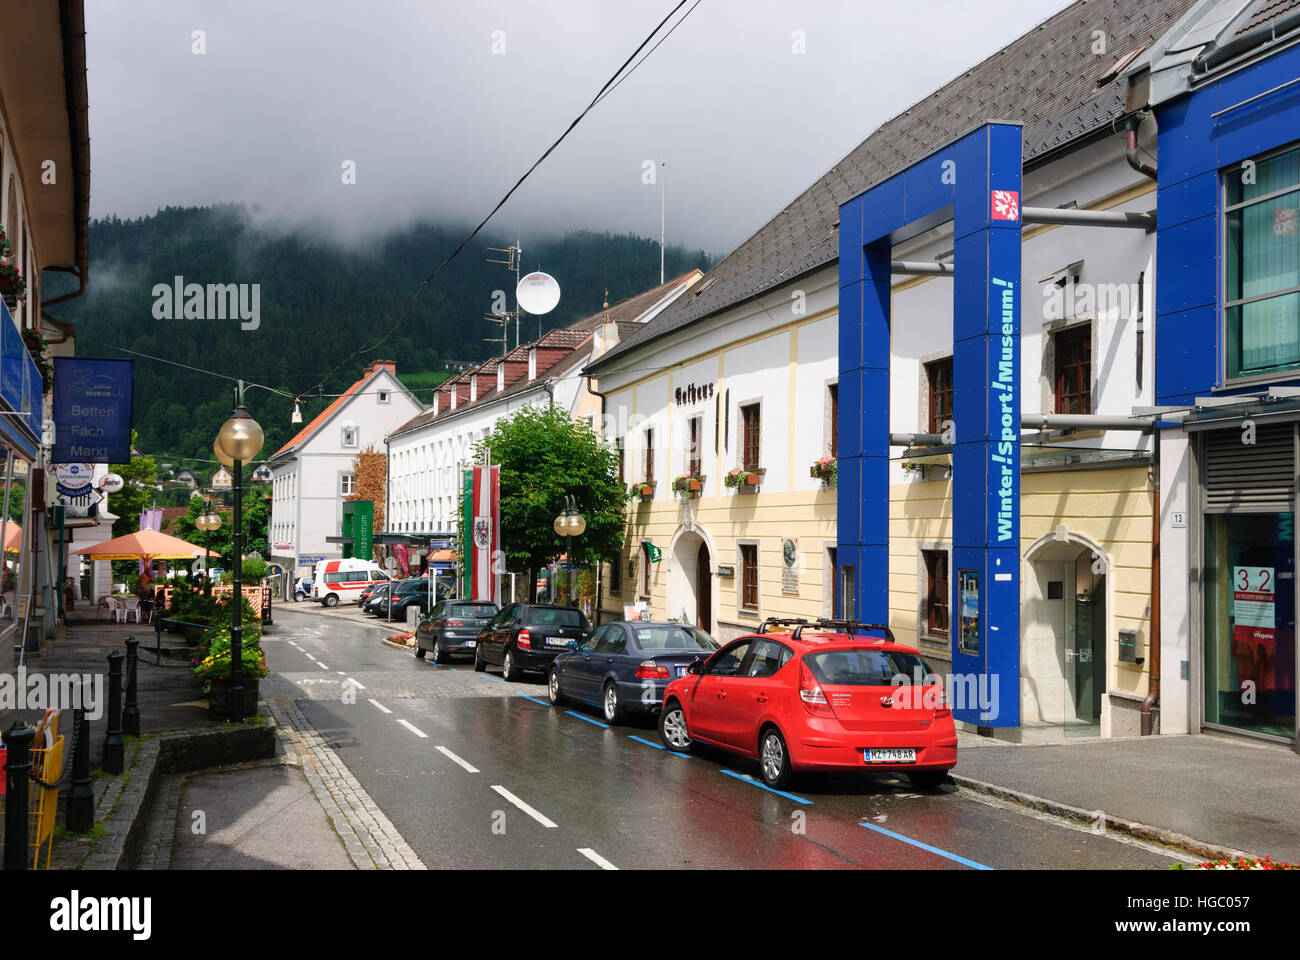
pixel 439 125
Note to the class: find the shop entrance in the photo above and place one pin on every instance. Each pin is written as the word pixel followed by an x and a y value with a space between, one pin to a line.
pixel 1063 647
pixel 1250 622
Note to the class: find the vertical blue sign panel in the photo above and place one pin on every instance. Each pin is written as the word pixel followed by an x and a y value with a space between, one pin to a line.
pixel 977 182
pixel 92 410
pixel 20 383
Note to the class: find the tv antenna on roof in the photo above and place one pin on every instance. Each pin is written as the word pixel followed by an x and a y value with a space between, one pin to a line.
pixel 511 263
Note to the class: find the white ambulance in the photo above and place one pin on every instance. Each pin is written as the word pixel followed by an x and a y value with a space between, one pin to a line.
pixel 342 581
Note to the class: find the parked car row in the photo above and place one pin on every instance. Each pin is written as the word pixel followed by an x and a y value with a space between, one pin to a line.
pixel 824 695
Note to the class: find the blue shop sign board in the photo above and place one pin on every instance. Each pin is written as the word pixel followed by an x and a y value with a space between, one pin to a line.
pixel 20 386
pixel 92 410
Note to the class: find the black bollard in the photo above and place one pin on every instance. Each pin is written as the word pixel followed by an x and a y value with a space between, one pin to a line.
pixel 131 709
pixel 18 744
pixel 157 633
pixel 79 814
pixel 114 745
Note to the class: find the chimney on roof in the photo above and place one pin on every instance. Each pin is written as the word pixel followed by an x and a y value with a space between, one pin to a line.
pixel 501 377
pixel 437 394
pixel 389 365
pixel 532 363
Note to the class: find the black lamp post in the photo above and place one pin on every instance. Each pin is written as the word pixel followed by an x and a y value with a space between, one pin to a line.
pixel 207 522
pixel 238 442
pixel 569 524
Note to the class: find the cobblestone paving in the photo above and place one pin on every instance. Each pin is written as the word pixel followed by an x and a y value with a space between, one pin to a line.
pixel 369 837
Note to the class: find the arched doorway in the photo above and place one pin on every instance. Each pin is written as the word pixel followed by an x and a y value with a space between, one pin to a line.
pixel 1064 628
pixel 690 580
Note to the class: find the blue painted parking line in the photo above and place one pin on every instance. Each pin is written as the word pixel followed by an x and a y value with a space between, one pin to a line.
pixel 764 786
pixel 534 699
pixel 574 713
pixel 493 676
pixel 925 846
pixel 648 743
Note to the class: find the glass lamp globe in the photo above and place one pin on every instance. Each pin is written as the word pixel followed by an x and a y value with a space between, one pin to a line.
pixel 561 525
pixel 577 524
pixel 241 436
pixel 201 521
pixel 221 454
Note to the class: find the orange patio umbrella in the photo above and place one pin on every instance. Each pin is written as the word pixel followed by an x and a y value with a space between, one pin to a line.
pixel 13 537
pixel 145 545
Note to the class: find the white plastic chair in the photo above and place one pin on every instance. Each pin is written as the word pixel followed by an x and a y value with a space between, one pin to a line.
pixel 132 606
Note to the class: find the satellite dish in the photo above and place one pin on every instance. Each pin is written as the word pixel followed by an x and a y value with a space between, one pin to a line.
pixel 538 293
pixel 111 483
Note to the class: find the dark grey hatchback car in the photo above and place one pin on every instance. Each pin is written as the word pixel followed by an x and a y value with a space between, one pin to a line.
pixel 527 636
pixel 452 628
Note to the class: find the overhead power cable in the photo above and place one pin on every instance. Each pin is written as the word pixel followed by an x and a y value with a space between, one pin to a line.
pixel 401 311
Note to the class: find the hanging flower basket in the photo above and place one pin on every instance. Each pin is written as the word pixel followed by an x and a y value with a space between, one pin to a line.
pixel 6 249
pixel 825 470
pixel 13 286
pixel 687 486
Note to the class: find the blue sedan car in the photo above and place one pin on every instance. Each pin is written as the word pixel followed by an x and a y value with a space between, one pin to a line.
pixel 625 666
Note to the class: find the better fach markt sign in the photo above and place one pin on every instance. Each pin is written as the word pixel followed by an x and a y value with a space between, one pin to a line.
pixel 92 410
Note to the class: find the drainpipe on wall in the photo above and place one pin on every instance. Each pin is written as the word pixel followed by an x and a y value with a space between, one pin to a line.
pixel 1131 145
pixel 1150 714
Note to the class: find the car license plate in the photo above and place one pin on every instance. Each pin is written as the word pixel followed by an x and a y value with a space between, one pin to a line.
pixel 681 671
pixel 557 641
pixel 890 755
pixel 471 643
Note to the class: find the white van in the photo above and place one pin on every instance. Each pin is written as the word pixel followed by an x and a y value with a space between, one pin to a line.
pixel 342 581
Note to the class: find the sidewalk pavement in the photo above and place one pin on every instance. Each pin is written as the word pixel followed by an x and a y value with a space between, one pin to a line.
pixel 295 810
pixel 1217 791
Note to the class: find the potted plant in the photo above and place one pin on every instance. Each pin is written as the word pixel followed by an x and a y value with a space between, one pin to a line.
pixel 645 489
pixel 13 286
pixel 687 486
pixel 740 477
pixel 6 249
pixel 213 671
pixel 824 470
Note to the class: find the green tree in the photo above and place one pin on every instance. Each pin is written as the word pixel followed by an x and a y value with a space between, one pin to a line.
pixel 141 476
pixel 257 515
pixel 545 456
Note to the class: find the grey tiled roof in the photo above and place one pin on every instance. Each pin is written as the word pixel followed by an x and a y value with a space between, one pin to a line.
pixel 1046 80
pixel 1266 13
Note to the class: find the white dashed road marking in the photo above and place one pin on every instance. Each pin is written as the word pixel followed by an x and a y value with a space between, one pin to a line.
pixel 412 728
pixel 451 756
pixel 596 858
pixel 540 818
pixel 359 685
pixel 321 665
pixel 379 705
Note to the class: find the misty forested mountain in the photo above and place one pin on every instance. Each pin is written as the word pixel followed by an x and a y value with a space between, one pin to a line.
pixel 318 302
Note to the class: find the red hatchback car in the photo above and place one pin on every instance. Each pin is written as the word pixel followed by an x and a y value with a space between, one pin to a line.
pixel 822 697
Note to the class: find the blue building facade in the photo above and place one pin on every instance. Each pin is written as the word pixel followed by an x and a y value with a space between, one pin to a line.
pixel 1228 361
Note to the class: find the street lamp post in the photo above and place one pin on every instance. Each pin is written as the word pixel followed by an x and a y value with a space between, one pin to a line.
pixel 240 440
pixel 207 522
pixel 569 524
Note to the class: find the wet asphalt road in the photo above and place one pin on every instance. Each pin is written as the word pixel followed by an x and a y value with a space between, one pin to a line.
pixel 479 773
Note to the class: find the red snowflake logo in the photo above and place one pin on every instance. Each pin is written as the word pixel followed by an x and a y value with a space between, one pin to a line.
pixel 1006 205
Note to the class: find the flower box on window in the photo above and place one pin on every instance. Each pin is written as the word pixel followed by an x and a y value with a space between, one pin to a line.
pixel 687 486
pixel 740 477
pixel 824 470
pixel 645 490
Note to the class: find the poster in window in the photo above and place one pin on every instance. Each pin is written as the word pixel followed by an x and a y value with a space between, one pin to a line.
pixel 1254 605
pixel 968 585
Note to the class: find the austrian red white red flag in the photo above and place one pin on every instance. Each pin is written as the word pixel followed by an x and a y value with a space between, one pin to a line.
pixel 1006 205
pixel 485 535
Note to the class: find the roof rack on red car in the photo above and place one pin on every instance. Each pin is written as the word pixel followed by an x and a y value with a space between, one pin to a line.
pixel 845 626
pixel 795 622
